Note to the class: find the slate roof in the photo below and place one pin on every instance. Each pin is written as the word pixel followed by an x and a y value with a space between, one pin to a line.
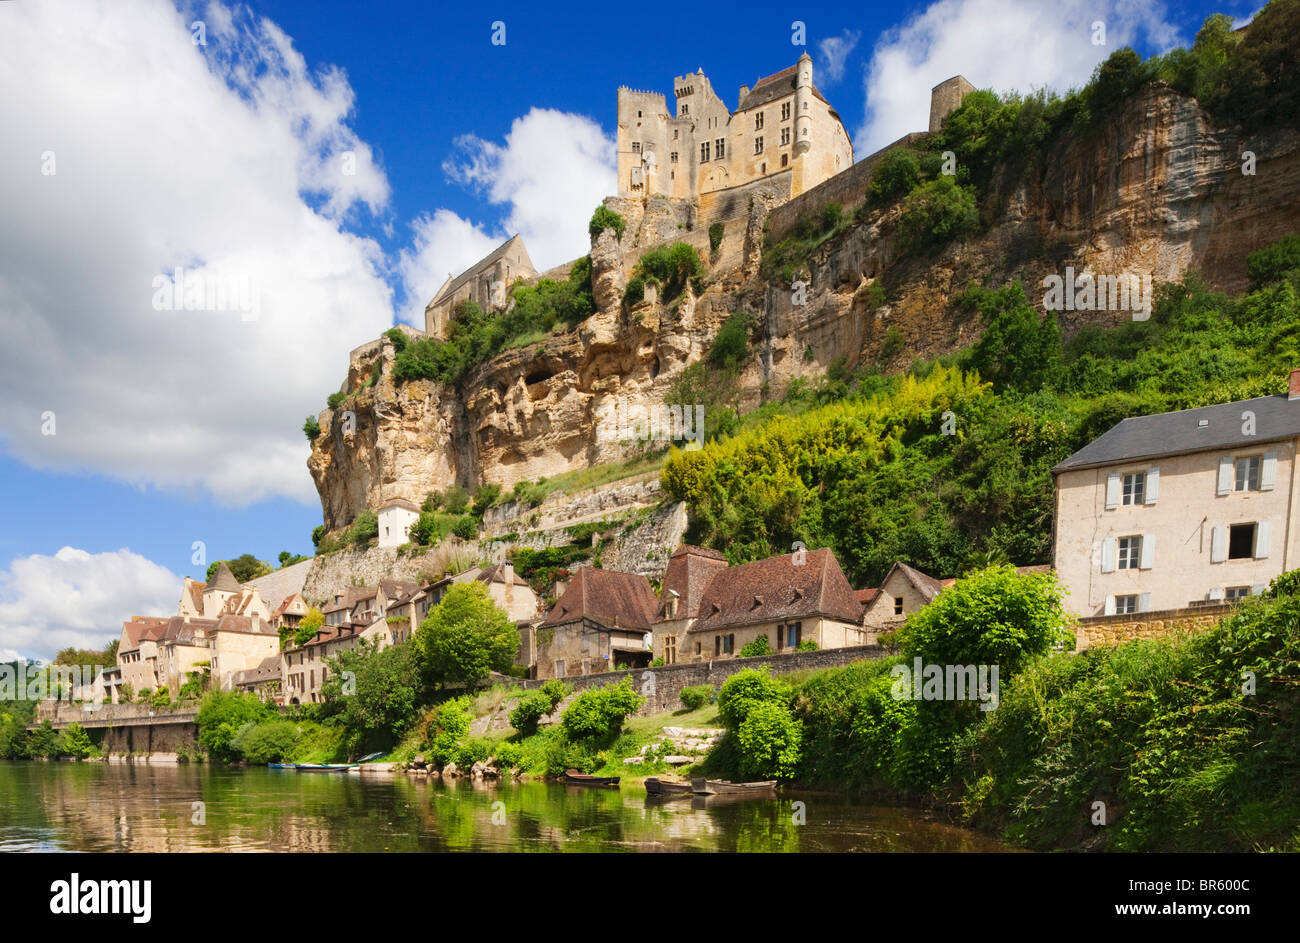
pixel 771 87
pixel 224 580
pixel 689 571
pixel 229 623
pixel 1179 433
pixel 268 669
pixel 776 590
pixel 276 587
pixel 606 597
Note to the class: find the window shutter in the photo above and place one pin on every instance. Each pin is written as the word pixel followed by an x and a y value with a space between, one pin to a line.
pixel 1263 535
pixel 1112 491
pixel 1258 589
pixel 1144 602
pixel 1148 551
pixel 1219 544
pixel 1110 605
pixel 1153 484
pixel 1225 475
pixel 1108 555
pixel 1216 593
pixel 1268 472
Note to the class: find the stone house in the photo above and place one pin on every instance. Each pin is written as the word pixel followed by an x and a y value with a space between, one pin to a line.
pixel 137 652
pixel 303 670
pixel 239 643
pixel 1180 509
pixel 265 680
pixel 783 125
pixel 790 599
pixel 903 591
pixel 290 612
pixel 602 620
pixel 689 571
pixel 486 283
pixel 396 516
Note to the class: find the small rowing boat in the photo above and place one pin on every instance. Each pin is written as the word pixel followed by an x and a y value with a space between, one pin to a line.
pixel 575 778
pixel 723 787
pixel 657 786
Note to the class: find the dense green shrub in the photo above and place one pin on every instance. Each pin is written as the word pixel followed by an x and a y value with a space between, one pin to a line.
pixel 272 741
pixel 768 742
pixel 335 400
pixel 731 343
pixel 455 500
pixel 937 212
pixel 693 698
pixel 485 497
pixel 385 691
pixel 605 218
pixel 672 266
pixel 1275 262
pixel 311 428
pixel 748 687
pixel 222 715
pixel 529 712
pixel 75 742
pixel 597 715
pixel 898 171
pixel 759 646
pixel 466 527
pixel 365 527
pixel 715 236
pixel 555 691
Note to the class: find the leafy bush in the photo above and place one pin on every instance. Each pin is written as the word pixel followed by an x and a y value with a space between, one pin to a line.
pixel 385 686
pixel 268 742
pixel 759 646
pixel 597 714
pixel 365 527
pixel 715 235
pixel 605 218
pixel 746 688
pixel 892 344
pixel 897 172
pixel 311 428
pixel 807 645
pixel 1275 262
pixel 731 344
pixel 529 712
pixel 455 500
pixel 466 527
pixel 485 497
pixel 672 265
pixel 768 742
pixel 74 741
pixel 335 400
pixel 693 698
pixel 936 212
pixel 555 691
pixel 222 715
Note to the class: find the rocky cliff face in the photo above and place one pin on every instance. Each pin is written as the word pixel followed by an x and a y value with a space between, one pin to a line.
pixel 1156 192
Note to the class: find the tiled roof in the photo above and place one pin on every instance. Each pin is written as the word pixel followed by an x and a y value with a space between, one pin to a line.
pixel 230 623
pixel 1209 428
pixel 925 584
pixel 181 631
pixel 224 580
pixel 496 574
pixel 400 503
pixel 777 589
pixel 689 571
pixel 139 629
pixel 606 597
pixel 867 596
pixel 288 601
pixel 196 594
pixel 771 87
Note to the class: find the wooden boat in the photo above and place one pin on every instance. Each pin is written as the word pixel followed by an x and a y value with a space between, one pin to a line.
pixel 656 786
pixel 723 787
pixel 325 767
pixel 575 778
pixel 282 765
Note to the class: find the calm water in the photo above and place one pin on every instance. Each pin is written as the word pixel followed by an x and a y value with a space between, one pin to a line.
pixel 101 807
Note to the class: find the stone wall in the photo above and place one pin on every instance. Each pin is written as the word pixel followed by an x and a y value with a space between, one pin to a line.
pixel 662 686
pixel 1116 630
pixel 334 572
pixel 848 188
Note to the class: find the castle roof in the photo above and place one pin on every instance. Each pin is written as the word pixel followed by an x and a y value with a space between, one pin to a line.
pixel 772 87
pixel 451 286
pixel 224 581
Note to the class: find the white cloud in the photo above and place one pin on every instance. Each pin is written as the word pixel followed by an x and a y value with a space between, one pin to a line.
pixel 228 159
pixel 835 52
pixel 78 599
pixel 998 44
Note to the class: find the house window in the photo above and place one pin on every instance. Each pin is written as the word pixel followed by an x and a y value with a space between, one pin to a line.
pixel 728 644
pixel 1248 473
pixel 699 648
pixel 636 147
pixel 704 151
pixel 685 110
pixel 898 605
pixel 789 635
pixel 670 649
pixel 785 112
pixel 1236 592
pixel 1126 604
pixel 785 159
pixel 1135 486
pixel 1130 552
pixel 720 148
pixel 758 145
pixel 1241 541
pixel 785 136
pixel 717 644
pixel 758 121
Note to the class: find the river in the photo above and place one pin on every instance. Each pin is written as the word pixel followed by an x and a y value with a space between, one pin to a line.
pixel 99 807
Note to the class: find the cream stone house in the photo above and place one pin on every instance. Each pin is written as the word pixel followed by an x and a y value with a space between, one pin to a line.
pixel 486 283
pixel 790 599
pixel 689 571
pixel 1180 509
pixel 395 519
pixel 903 591
pixel 601 620
pixel 783 125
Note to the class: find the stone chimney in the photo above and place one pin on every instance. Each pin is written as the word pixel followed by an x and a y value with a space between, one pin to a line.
pixel 1293 392
pixel 744 90
pixel 257 621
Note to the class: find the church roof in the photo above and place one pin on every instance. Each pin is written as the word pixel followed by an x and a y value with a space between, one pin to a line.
pixel 450 287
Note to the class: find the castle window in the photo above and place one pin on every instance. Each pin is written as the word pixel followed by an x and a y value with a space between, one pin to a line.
pixel 675 134
pixel 785 159
pixel 758 121
pixel 719 148
pixel 685 109
pixel 785 112
pixel 758 145
pixel 636 147
pixel 704 151
pixel 673 157
pixel 785 136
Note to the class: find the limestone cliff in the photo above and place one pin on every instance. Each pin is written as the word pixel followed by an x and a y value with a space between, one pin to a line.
pixel 1157 191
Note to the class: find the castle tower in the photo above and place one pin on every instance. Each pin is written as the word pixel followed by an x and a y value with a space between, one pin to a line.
pixel 803 96
pixel 945 98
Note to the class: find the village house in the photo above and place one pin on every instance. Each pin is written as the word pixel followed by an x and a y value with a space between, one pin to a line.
pixel 791 599
pixel 1180 509
pixel 903 591
pixel 689 571
pixel 601 621
pixel 395 519
pixel 265 680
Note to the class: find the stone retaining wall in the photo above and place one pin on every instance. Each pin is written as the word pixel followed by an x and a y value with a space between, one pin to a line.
pixel 1116 630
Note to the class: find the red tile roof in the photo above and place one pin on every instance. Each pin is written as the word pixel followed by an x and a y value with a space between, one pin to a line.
pixel 777 589
pixel 139 629
pixel 689 571
pixel 607 597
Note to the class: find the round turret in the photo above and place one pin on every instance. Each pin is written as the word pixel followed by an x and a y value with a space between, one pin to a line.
pixel 803 97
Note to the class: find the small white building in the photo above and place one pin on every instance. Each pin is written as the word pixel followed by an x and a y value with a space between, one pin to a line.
pixel 395 520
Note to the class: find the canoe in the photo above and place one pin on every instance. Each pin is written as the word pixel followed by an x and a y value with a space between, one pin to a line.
pixel 573 777
pixel 723 787
pixel 665 787
pixel 282 765
pixel 324 767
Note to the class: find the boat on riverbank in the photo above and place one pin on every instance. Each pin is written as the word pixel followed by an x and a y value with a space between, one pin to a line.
pixel 574 778
pixel 326 767
pixel 723 787
pixel 659 786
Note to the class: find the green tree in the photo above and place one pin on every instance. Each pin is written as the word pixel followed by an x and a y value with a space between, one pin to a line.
pixel 898 171
pixel 76 742
pixel 936 212
pixel 222 715
pixel 465 637
pixel 605 218
pixel 466 527
pixel 271 741
pixel 1018 350
pixel 244 567
pixel 597 714
pixel 311 428
pixel 384 685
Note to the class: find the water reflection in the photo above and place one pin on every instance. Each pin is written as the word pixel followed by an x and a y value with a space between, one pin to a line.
pixel 99 807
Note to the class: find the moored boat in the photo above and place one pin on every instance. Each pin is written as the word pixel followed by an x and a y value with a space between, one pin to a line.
pixel 575 778
pixel 325 767
pixel 724 787
pixel 658 786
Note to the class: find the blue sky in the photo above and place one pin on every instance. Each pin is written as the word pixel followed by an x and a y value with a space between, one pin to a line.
pixel 172 431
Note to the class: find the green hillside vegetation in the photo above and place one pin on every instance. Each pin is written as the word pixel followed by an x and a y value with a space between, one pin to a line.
pixel 861 464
